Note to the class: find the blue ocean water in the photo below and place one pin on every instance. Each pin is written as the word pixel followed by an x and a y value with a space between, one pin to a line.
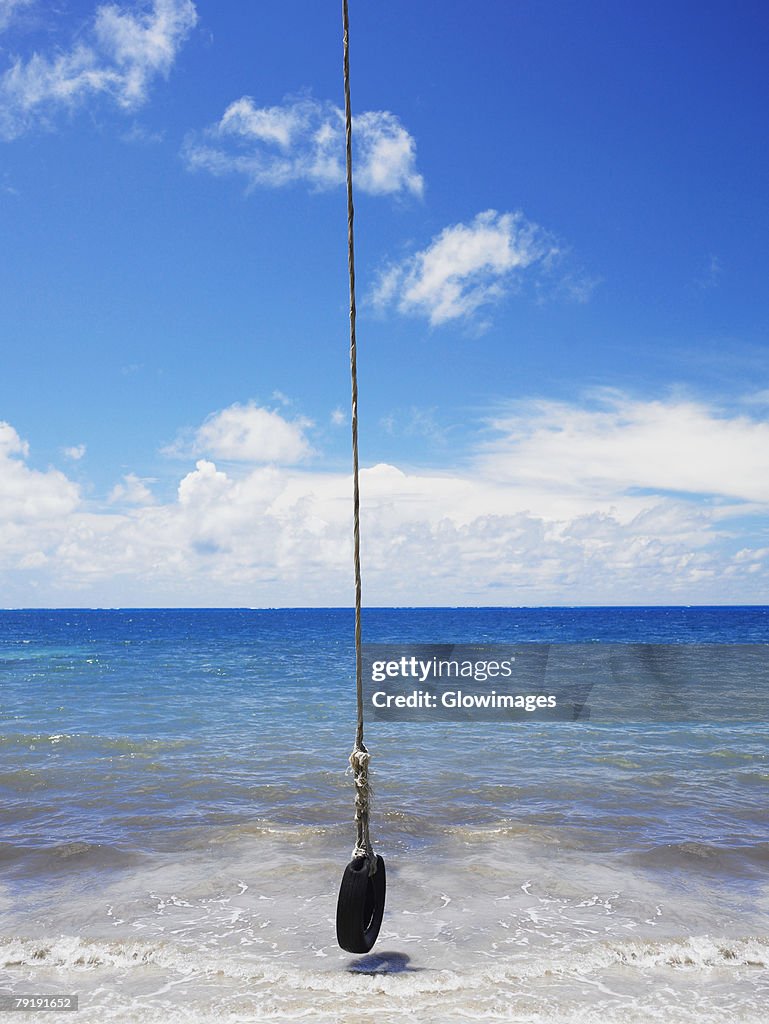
pixel 176 814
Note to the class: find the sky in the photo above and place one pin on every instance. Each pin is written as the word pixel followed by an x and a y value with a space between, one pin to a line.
pixel 561 222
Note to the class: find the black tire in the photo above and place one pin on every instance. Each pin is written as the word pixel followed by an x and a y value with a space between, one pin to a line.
pixel 360 906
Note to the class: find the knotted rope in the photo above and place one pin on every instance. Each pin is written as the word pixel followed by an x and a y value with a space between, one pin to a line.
pixel 359 757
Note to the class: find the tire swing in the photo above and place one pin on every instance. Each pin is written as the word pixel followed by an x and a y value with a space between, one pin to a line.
pixel 360 906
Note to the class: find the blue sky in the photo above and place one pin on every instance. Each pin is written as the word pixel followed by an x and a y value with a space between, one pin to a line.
pixel 561 218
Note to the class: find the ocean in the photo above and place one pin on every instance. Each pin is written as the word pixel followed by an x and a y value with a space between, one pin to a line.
pixel 176 814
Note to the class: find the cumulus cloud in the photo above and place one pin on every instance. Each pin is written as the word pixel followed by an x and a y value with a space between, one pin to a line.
pixel 302 140
pixel 74 452
pixel 118 56
pixel 465 267
pixel 619 501
pixel 248 433
pixel 132 490
pixel 28 495
pixel 10 442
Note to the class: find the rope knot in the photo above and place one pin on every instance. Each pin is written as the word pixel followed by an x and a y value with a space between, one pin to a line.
pixel 359 762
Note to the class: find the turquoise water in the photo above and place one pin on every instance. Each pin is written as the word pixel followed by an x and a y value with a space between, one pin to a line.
pixel 176 816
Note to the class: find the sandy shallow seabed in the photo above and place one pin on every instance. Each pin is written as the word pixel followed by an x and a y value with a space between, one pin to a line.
pixel 491 926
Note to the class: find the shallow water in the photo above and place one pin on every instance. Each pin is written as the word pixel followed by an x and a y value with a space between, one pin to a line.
pixel 176 817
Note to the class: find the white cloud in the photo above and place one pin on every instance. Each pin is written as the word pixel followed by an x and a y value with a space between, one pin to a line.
pixel 118 56
pixel 625 501
pixel 132 490
pixel 465 267
pixel 338 417
pixel 139 134
pixel 619 444
pixel 414 422
pixel 248 433
pixel 756 397
pixel 8 9
pixel 303 141
pixel 10 442
pixel 75 452
pixel 28 496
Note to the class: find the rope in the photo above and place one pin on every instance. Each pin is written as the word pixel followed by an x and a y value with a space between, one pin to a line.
pixel 359 757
